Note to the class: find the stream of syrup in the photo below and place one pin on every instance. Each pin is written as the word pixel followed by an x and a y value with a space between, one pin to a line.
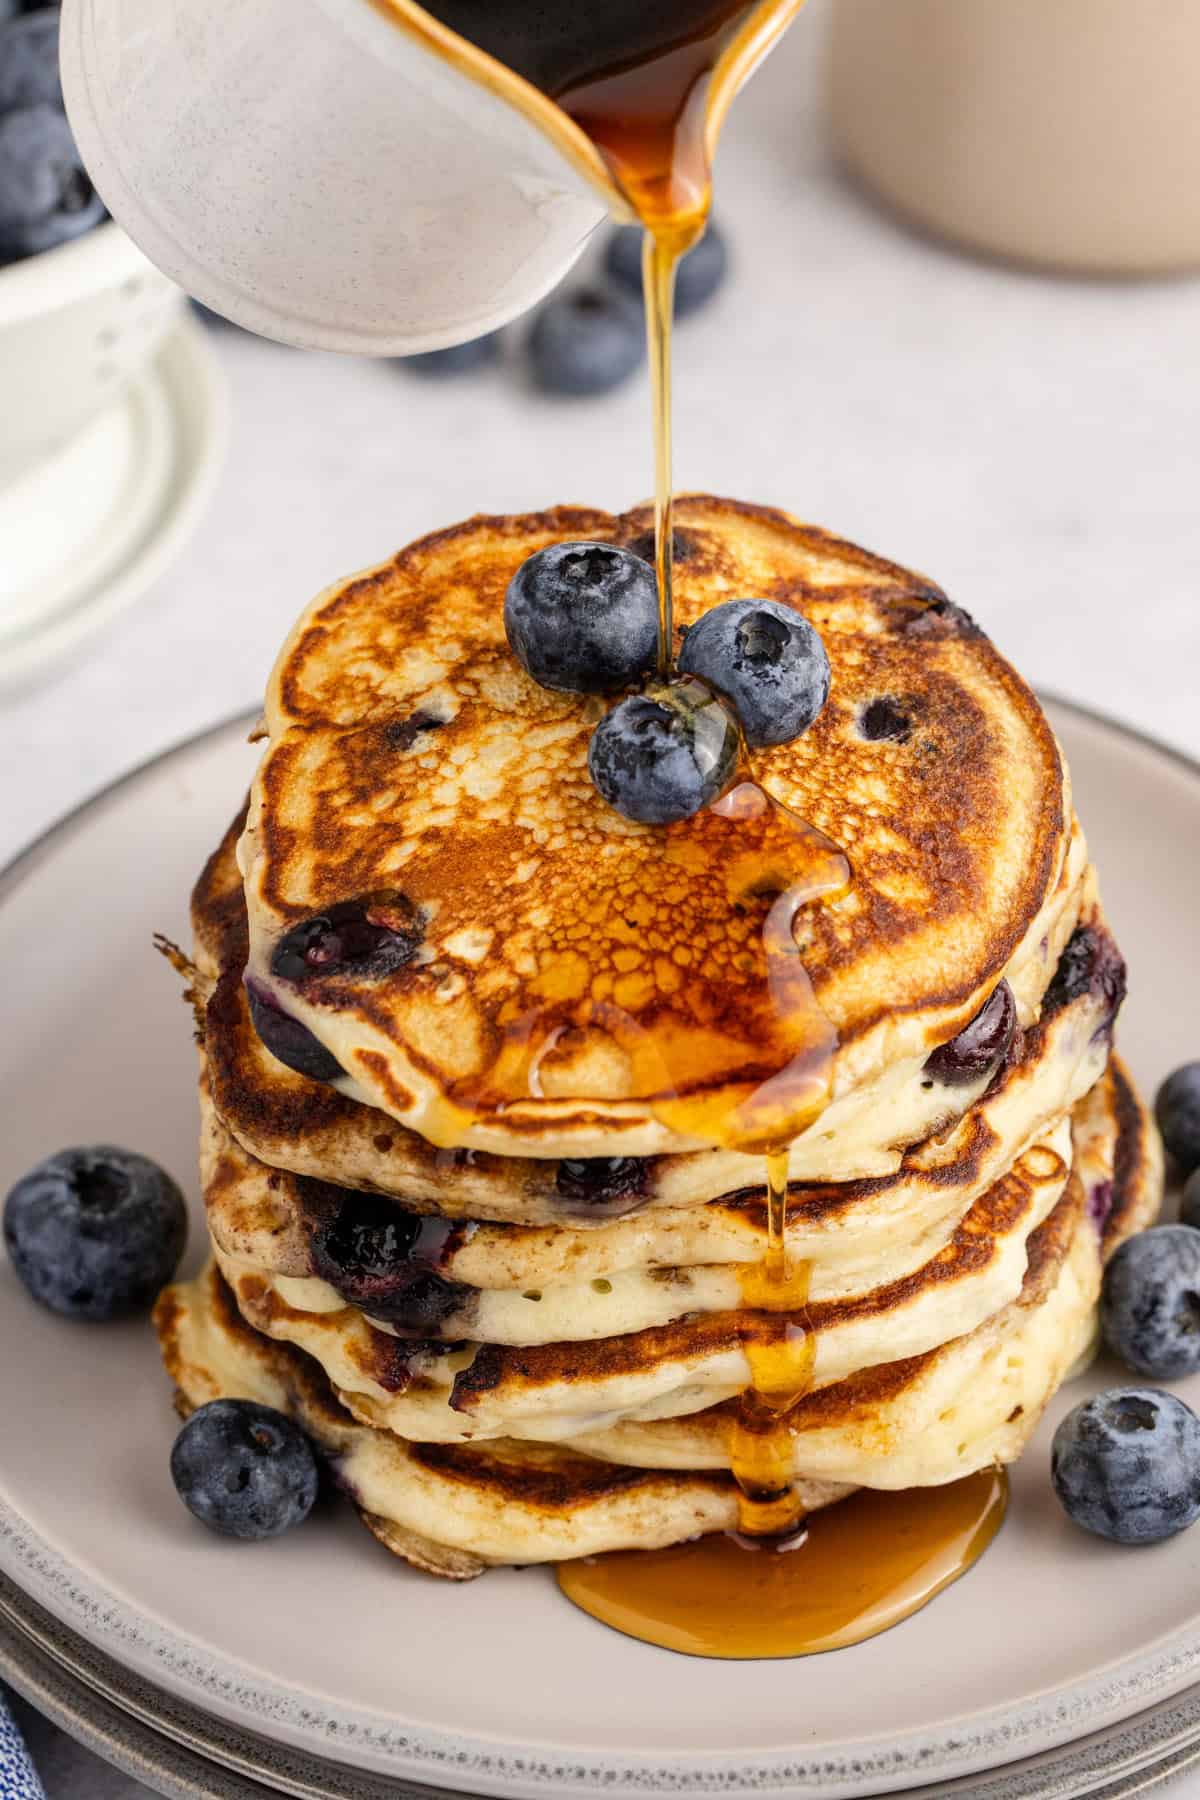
pixel 636 79
pixel 648 123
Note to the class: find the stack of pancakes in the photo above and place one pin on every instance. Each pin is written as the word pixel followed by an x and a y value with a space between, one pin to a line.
pixel 496 1258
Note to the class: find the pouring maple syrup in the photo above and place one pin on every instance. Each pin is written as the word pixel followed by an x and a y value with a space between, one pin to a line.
pixel 635 79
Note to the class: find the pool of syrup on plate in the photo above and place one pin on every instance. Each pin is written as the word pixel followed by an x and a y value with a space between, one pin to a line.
pixel 636 79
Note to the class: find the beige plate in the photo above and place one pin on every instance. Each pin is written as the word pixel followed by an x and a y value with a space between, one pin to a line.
pixel 184 1754
pixel 318 1641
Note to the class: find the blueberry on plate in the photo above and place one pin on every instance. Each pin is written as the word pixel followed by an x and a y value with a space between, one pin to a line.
pixel 1150 1302
pixel 586 342
pixel 981 1045
pixel 95 1233
pixel 1126 1465
pixel 1177 1110
pixel 583 617
pixel 45 195
pixel 1189 1201
pixel 767 660
pixel 244 1470
pixel 29 61
pixel 661 755
pixel 697 277
pixel 456 359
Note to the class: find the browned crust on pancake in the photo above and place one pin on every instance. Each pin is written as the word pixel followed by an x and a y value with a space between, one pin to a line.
pixel 928 847
pixel 543 1475
pixel 421 1552
pixel 309 1387
pixel 218 902
pixel 971 1249
pixel 269 1108
pixel 546 1476
pixel 555 522
pixel 862 1394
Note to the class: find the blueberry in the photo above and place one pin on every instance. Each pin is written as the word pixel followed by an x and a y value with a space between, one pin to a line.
pixel 586 342
pixel 664 754
pixel 402 734
pixel 29 61
pixel 1177 1110
pixel 697 277
pixel 583 617
pixel 244 1470
pixel 383 1259
pixel 456 359
pixel 979 1046
pixel 1189 1202
pixel 767 660
pixel 45 195
pixel 1126 1465
pixel 606 1187
pixel 290 1042
pixel 884 719
pixel 94 1233
pixel 1090 963
pixel 1150 1302
pixel 372 936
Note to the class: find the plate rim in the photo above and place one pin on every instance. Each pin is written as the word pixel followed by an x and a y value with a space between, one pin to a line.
pixel 986 1740
pixel 1149 1746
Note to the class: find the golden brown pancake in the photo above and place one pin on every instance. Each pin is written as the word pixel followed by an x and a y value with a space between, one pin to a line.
pixel 853 1233
pixel 578 985
pixel 455 1509
pixel 553 1390
pixel 308 1127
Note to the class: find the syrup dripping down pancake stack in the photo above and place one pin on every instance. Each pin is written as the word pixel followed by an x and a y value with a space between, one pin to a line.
pixel 479 1220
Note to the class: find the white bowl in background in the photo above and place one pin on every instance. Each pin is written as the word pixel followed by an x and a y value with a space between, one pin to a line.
pixel 76 325
pixel 88 530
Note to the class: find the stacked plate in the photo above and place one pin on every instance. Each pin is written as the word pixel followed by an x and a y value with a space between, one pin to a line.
pixel 1062 1665
pixel 113 432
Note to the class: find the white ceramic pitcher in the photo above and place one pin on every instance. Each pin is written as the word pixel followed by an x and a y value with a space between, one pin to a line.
pixel 344 174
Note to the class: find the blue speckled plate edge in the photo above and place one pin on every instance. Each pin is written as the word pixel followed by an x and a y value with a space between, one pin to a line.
pixel 1107 1698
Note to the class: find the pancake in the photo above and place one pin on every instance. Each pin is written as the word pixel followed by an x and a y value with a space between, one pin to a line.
pixel 307 1127
pixel 447 1509
pixel 904 1423
pixel 455 1509
pixel 554 981
pixel 553 1390
pixel 854 1234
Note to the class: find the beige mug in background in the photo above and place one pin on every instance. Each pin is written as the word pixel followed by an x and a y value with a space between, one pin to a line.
pixel 1060 132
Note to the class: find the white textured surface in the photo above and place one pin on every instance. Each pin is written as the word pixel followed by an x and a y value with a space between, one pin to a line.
pixel 1031 443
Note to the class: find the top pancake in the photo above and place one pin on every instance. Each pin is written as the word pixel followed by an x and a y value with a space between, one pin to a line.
pixel 587 986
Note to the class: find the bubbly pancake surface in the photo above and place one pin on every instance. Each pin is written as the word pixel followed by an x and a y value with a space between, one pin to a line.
pixel 580 985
